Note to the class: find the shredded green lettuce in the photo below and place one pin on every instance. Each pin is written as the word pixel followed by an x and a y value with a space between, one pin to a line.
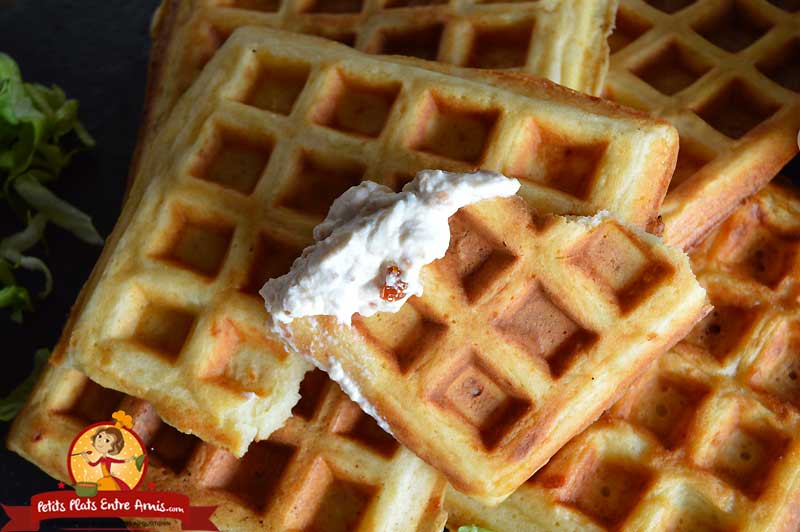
pixel 39 134
pixel 13 296
pixel 473 528
pixel 12 403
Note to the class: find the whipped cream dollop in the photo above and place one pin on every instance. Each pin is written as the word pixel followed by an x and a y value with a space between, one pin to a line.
pixel 370 249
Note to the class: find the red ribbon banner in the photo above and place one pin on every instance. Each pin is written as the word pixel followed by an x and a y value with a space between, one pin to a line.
pixel 122 504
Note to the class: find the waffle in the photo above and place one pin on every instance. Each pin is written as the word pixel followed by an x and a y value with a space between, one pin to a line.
pixel 251 159
pixel 526 331
pixel 725 73
pixel 709 438
pixel 188 33
pixel 568 45
pixel 561 40
pixel 329 468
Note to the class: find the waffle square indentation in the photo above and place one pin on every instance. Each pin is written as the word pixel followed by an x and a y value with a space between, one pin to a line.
pixel 746 457
pixel 475 259
pixel 330 501
pixel 412 3
pixel 783 67
pixel 312 388
pixel 550 159
pixel 543 329
pixel 253 478
pixel 404 335
pixel 352 422
pixel 92 403
pixel 483 399
pixel 317 181
pixel 696 512
pixel 623 269
pixel 334 6
pixel 666 407
pixel 420 41
pixel 277 86
pixel 267 6
pixel 348 38
pixel 243 360
pixel 670 6
pixel 355 106
pixel 455 130
pixel 232 161
pixel 736 109
pixel 610 491
pixel 197 244
pixel 722 330
pixel 690 160
pixel 500 46
pixel 786 5
pixel 272 257
pixel 766 257
pixel 171 448
pixel 627 28
pixel 672 69
pixel 778 366
pixel 163 329
pixel 735 28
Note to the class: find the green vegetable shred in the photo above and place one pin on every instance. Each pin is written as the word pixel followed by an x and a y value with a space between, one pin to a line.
pixel 39 135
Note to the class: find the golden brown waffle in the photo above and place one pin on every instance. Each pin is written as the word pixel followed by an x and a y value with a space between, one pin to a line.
pixel 329 468
pixel 709 438
pixel 561 40
pixel 725 73
pixel 526 331
pixel 277 127
pixel 188 32
pixel 569 45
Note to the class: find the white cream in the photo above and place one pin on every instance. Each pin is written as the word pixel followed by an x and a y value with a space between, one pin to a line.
pixel 368 230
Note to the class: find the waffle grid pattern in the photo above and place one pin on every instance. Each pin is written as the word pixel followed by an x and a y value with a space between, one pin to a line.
pixel 750 267
pixel 329 468
pixel 496 351
pixel 562 41
pixel 293 126
pixel 459 32
pixel 540 325
pixel 708 438
pixel 725 73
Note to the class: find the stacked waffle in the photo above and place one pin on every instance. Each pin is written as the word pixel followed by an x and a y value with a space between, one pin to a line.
pixel 708 438
pixel 723 73
pixel 525 333
pixel 328 468
pixel 531 325
pixel 276 128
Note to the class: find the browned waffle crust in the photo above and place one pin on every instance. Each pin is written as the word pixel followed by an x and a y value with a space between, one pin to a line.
pixel 708 439
pixel 725 73
pixel 329 468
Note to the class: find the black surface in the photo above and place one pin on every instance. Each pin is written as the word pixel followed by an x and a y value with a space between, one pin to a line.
pixel 96 50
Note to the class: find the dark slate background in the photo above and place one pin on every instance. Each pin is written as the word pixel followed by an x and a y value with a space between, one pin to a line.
pixel 96 50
